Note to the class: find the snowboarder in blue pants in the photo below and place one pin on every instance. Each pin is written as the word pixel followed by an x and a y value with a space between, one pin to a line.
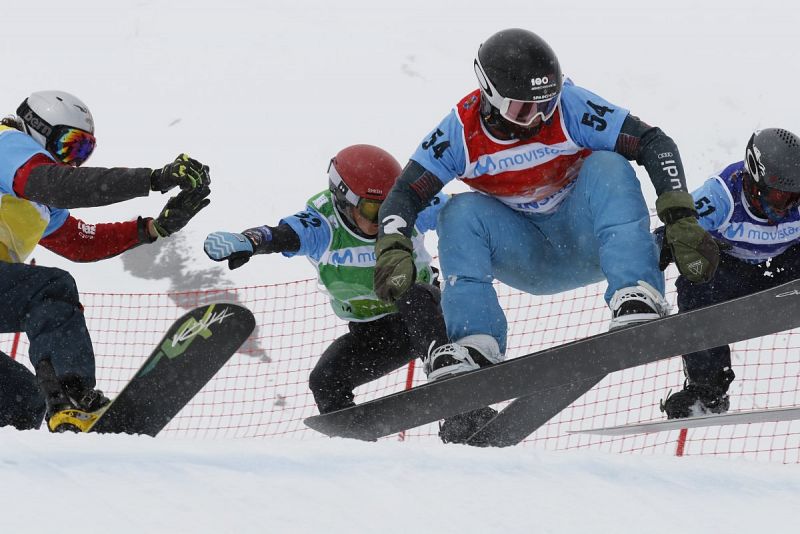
pixel 556 205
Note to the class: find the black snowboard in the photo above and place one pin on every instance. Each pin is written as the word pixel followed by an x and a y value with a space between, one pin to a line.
pixel 526 414
pixel 194 348
pixel 555 377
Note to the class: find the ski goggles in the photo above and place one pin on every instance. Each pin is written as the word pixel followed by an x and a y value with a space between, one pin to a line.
pixel 367 207
pixel 72 146
pixel 778 200
pixel 68 144
pixel 521 112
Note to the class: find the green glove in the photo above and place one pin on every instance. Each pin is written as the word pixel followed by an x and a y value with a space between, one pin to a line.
pixel 695 252
pixel 395 271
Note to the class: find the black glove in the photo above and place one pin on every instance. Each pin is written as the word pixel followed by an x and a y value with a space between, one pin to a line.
pixel 695 252
pixel 184 172
pixel 665 257
pixel 180 209
pixel 395 271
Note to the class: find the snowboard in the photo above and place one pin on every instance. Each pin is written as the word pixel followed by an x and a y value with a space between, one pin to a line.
pixel 524 415
pixel 194 348
pixel 771 415
pixel 551 372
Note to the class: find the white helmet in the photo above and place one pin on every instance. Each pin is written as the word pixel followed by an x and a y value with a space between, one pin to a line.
pixel 61 123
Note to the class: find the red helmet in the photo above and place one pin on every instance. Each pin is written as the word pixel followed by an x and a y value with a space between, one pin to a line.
pixel 361 176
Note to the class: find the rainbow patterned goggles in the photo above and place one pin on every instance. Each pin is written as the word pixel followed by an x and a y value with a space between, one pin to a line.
pixel 69 145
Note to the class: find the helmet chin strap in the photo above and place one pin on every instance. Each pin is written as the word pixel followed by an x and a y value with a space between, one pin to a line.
pixel 35 136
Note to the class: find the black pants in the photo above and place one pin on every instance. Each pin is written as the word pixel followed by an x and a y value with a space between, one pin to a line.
pixel 734 278
pixel 21 402
pixel 376 348
pixel 43 303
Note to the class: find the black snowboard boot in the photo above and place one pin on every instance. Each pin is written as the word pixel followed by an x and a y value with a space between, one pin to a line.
pixel 699 399
pixel 71 407
pixel 459 428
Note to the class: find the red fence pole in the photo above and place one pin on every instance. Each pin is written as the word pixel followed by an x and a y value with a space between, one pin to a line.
pixel 14 346
pixel 681 442
pixel 409 384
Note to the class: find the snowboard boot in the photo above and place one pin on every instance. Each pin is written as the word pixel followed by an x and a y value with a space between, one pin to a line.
pixel 699 399
pixel 71 407
pixel 459 428
pixel 469 353
pixel 637 304
pixel 452 359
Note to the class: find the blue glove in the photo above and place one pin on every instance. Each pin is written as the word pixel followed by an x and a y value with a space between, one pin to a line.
pixel 236 248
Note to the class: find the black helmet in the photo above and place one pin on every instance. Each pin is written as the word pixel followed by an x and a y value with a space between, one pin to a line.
pixel 772 180
pixel 519 76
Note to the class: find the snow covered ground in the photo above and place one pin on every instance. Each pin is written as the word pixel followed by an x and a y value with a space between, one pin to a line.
pixel 130 485
pixel 266 93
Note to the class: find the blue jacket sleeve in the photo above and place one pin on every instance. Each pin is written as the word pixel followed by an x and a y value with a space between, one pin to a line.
pixel 313 230
pixel 592 121
pixel 442 150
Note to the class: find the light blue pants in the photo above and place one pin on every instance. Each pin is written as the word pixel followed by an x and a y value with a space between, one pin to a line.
pixel 601 230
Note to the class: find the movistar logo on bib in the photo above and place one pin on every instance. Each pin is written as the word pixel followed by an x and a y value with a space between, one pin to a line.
pixel 756 233
pixel 518 158
pixel 352 257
